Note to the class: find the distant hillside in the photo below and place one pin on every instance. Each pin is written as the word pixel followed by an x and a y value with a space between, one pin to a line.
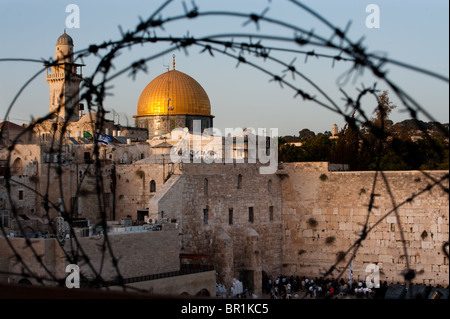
pixel 291 139
pixel 414 127
pixel 404 128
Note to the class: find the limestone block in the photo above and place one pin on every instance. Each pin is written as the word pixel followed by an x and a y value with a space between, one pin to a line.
pixel 377 235
pixel 307 233
pixel 433 228
pixel 426 245
pixel 385 259
pixel 435 268
pixel 332 226
pixel 391 219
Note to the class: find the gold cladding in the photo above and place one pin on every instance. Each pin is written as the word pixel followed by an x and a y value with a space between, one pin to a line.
pixel 187 96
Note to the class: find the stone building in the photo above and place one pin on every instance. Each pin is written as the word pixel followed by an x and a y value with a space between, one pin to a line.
pixel 64 78
pixel 173 100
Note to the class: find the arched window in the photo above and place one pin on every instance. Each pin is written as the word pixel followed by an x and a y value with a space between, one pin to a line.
pixel 125 158
pixel 205 186
pixel 25 282
pixel 239 185
pixel 17 167
pixel 152 186
pixel 203 292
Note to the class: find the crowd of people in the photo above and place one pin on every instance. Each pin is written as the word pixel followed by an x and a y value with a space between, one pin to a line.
pixel 302 287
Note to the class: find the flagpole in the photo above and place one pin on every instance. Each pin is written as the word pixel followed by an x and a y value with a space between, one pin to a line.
pixel 350 274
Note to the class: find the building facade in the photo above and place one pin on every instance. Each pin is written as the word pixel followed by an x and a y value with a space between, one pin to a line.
pixel 173 100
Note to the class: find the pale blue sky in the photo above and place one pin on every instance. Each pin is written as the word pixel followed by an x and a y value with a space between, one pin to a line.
pixel 415 32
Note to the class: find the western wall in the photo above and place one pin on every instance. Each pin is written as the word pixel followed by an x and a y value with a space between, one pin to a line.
pixel 339 203
pixel 286 243
pixel 255 225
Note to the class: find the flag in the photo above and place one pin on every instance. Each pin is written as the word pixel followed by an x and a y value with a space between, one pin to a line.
pixel 104 139
pixel 350 274
pixel 87 134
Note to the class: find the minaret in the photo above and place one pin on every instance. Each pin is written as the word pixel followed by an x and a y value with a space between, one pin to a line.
pixel 334 130
pixel 64 78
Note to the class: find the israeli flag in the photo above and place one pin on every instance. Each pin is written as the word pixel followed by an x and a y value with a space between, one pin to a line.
pixel 350 275
pixel 104 139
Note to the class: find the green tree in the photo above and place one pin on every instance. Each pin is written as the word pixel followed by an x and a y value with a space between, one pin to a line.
pixel 316 149
pixel 346 148
pixel 383 110
pixel 306 134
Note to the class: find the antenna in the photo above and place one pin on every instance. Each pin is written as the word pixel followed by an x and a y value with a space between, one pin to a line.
pixel 165 65
pixel 168 96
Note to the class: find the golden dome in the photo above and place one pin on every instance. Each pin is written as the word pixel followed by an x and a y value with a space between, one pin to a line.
pixel 187 96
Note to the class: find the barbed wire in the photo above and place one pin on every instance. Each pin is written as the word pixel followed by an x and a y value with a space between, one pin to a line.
pixel 254 50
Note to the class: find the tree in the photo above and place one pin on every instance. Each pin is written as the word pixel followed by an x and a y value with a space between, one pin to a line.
pixel 316 149
pixel 306 134
pixel 346 149
pixel 384 109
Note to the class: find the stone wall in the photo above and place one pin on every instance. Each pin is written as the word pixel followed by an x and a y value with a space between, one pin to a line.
pixel 77 186
pixel 203 196
pixel 132 192
pixel 138 254
pixel 338 202
pixel 185 285
pixel 51 265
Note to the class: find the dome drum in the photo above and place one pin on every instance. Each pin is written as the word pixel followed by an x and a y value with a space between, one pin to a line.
pixel 161 124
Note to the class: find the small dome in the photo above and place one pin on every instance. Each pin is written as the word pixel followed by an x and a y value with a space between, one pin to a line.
pixel 186 95
pixel 64 39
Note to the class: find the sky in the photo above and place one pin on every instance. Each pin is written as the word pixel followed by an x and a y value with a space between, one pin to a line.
pixel 414 32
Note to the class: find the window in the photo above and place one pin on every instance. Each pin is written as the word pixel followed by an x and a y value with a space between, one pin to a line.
pixel 61 205
pixel 152 186
pixel 270 212
pixel 20 194
pixel 205 186
pixel 74 205
pixel 107 198
pixel 239 185
pixel 269 185
pixel 4 218
pixel 205 216
pixel 17 166
pixel 250 214
pixel 141 214
pixel 230 216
